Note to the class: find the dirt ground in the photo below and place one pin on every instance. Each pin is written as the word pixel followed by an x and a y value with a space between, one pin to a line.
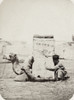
pixel 60 90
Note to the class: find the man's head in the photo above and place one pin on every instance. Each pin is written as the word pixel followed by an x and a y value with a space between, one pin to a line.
pixel 55 59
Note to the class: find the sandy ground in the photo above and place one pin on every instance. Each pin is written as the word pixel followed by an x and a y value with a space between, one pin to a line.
pixel 11 90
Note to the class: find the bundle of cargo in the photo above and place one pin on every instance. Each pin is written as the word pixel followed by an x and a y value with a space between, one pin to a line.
pixel 43 49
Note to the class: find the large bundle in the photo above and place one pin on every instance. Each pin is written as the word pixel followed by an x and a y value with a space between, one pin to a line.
pixel 43 49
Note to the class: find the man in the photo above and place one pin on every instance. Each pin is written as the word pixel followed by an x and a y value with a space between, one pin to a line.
pixel 59 70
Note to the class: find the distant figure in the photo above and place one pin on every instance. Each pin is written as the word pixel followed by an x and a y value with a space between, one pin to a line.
pixel 59 70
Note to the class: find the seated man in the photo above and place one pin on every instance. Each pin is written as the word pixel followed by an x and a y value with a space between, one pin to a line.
pixel 59 70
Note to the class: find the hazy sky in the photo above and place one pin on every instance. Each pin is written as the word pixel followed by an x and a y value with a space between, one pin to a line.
pixel 20 19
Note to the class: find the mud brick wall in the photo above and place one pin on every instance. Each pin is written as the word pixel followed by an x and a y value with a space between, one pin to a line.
pixel 43 49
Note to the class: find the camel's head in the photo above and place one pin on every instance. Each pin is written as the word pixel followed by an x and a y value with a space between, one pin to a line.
pixel 13 58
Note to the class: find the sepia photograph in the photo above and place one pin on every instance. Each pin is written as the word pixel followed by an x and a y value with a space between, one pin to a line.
pixel 36 49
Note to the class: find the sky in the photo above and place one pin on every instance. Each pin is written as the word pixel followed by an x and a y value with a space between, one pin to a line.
pixel 21 19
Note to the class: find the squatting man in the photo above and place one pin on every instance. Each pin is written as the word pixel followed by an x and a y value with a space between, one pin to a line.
pixel 60 72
